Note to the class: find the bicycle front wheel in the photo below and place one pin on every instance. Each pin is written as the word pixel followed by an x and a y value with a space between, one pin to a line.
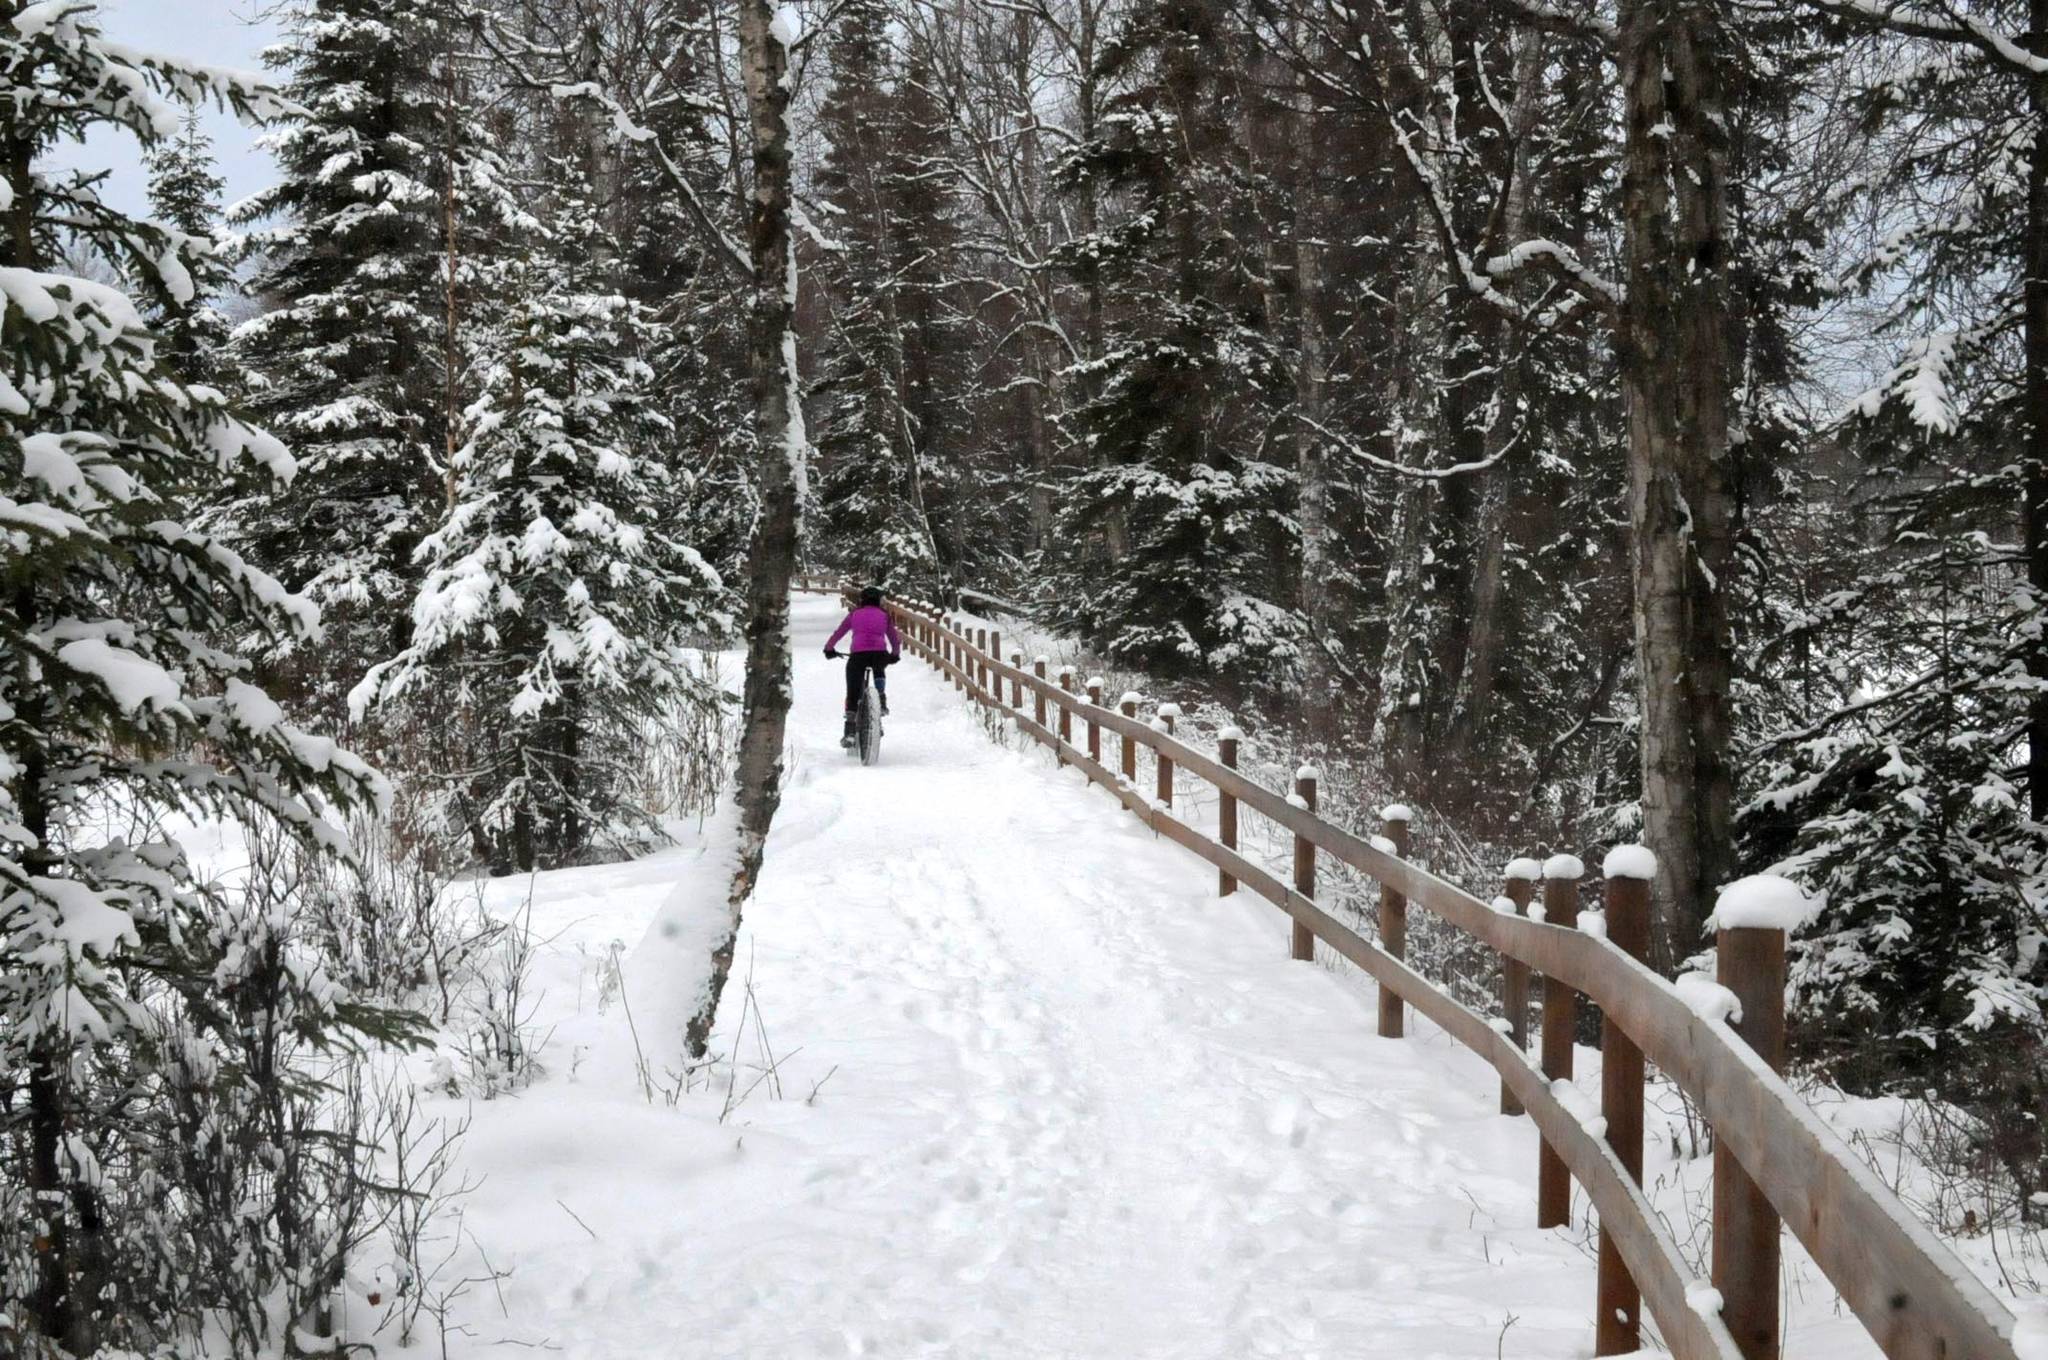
pixel 870 727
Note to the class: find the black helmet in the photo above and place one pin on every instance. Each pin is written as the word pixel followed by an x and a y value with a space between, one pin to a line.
pixel 871 595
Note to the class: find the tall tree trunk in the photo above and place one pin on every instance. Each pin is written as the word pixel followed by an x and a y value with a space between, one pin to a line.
pixel 1318 548
pixel 779 452
pixel 1472 710
pixel 1043 363
pixel 1674 350
pixel 2035 519
pixel 1414 348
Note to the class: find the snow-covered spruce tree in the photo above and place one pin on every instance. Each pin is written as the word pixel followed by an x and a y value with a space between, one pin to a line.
pixel 389 181
pixel 549 630
pixel 1907 771
pixel 876 419
pixel 118 702
pixel 1895 768
pixel 184 197
pixel 1169 543
pixel 1901 795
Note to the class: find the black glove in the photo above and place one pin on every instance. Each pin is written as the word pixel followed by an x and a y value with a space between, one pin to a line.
pixel 831 655
pixel 894 657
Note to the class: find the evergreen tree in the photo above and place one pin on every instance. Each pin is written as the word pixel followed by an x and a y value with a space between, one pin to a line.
pixel 1183 512
pixel 184 195
pixel 1903 695
pixel 119 701
pixel 548 633
pixel 387 213
pixel 877 418
pixel 665 264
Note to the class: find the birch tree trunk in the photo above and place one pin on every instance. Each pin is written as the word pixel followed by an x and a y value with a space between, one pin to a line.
pixel 780 450
pixel 1320 688
pixel 1044 364
pixel 1674 351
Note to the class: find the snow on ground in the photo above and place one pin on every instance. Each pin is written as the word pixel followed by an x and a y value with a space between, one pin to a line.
pixel 1042 1095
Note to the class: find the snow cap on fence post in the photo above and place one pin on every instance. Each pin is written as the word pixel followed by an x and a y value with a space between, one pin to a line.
pixel 1630 861
pixel 1763 902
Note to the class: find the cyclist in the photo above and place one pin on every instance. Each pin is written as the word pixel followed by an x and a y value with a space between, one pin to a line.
pixel 876 645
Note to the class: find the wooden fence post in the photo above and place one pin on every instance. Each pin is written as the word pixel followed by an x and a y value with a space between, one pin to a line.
pixel 995 657
pixel 1017 681
pixel 1226 806
pixel 1521 875
pixel 981 659
pixel 1561 874
pixel 1066 714
pixel 1094 728
pixel 1303 944
pixel 1163 766
pixel 1128 706
pixel 1037 695
pixel 1618 1320
pixel 1394 819
pixel 1750 962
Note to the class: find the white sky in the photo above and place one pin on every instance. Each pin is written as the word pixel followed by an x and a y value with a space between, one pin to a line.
pixel 219 32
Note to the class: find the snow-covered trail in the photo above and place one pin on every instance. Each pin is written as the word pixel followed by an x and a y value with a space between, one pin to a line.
pixel 1068 1104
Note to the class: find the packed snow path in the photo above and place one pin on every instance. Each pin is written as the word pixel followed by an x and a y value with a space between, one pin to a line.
pixel 1068 1102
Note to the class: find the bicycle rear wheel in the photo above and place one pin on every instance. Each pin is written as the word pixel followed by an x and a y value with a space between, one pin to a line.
pixel 869 726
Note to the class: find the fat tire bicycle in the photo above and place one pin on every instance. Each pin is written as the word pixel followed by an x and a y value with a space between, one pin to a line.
pixel 867 721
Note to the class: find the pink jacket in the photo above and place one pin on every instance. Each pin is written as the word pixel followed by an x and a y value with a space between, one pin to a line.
pixel 873 631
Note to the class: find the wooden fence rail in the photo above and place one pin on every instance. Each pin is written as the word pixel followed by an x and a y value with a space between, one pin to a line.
pixel 1777 1158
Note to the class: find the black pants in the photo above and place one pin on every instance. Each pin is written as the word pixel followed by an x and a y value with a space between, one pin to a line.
pixel 856 662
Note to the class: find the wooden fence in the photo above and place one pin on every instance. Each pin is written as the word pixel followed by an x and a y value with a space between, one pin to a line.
pixel 1775 1160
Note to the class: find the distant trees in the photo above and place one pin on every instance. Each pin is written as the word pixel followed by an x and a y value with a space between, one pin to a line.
pixel 1179 523
pixel 883 405
pixel 184 196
